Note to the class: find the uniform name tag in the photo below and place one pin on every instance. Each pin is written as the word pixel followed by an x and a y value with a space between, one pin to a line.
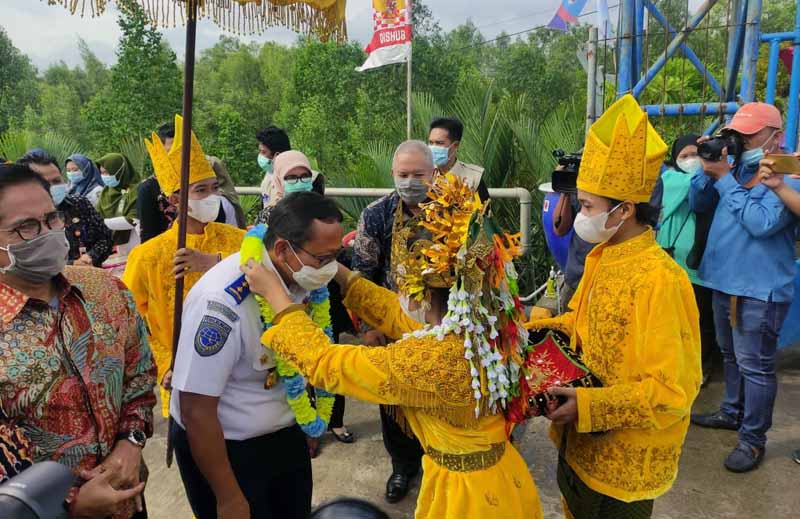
pixel 210 336
pixel 229 314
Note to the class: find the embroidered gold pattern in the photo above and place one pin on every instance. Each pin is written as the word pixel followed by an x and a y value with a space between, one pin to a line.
pixel 469 462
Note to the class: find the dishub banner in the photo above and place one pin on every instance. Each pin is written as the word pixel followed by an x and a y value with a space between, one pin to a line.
pixel 391 41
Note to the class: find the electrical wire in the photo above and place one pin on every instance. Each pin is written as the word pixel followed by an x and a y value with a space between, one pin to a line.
pixel 543 26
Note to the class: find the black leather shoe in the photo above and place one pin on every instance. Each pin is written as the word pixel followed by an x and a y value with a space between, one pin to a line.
pixel 397 487
pixel 716 420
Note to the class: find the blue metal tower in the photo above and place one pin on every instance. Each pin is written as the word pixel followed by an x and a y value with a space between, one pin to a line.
pixel 744 45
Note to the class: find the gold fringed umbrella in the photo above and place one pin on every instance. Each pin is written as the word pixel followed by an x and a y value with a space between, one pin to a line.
pixel 323 18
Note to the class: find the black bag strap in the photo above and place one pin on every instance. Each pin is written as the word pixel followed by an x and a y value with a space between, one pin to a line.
pixel 680 231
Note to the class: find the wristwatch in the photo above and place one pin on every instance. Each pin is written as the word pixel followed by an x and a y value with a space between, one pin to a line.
pixel 135 436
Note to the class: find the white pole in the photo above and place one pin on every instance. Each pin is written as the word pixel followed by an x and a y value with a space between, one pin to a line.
pixel 408 95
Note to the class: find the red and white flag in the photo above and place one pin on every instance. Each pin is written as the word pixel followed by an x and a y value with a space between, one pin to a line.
pixel 391 41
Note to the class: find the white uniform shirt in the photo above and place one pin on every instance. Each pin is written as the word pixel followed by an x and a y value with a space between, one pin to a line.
pixel 220 354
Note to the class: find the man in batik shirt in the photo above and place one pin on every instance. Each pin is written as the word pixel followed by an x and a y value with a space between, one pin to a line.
pixel 412 172
pixel 75 367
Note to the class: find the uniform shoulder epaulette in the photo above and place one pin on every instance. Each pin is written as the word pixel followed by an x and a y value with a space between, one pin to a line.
pixel 239 289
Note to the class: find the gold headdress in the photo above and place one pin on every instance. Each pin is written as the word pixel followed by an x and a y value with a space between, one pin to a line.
pixel 468 254
pixel 435 262
pixel 167 166
pixel 623 154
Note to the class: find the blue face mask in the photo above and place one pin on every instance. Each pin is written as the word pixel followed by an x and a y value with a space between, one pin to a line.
pixel 303 184
pixel 58 192
pixel 264 163
pixel 110 180
pixel 75 176
pixel 441 155
pixel 752 157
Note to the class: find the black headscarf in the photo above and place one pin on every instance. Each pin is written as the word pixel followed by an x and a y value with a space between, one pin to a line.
pixel 677 148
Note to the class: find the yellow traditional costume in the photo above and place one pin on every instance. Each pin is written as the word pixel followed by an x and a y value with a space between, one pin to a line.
pixel 453 381
pixel 148 273
pixel 635 322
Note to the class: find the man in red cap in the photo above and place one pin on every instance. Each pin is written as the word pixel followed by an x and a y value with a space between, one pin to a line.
pixel 748 261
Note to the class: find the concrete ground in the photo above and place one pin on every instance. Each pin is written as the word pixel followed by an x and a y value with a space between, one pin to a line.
pixel 704 489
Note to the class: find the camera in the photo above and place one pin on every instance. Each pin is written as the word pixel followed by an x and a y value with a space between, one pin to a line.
pixel 38 492
pixel 565 180
pixel 711 150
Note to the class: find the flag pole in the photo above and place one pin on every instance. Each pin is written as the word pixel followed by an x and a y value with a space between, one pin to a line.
pixel 408 93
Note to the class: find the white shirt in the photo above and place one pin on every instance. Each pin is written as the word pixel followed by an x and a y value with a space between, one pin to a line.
pixel 230 211
pixel 220 354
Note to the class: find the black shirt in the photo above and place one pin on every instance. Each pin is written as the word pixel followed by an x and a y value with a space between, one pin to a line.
pixel 85 229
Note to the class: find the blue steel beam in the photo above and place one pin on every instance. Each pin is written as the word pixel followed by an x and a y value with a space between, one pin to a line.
pixel 735 44
pixel 638 49
pixel 752 44
pixel 685 49
pixel 692 109
pixel 772 70
pixel 674 45
pixel 781 36
pixel 794 90
pixel 625 56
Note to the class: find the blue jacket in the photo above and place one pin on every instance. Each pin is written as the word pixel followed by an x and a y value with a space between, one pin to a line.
pixel 751 245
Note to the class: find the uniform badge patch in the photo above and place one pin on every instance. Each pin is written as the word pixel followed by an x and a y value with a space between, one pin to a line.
pixel 229 314
pixel 210 336
pixel 239 289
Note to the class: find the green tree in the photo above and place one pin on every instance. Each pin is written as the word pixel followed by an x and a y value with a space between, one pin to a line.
pixel 143 89
pixel 18 85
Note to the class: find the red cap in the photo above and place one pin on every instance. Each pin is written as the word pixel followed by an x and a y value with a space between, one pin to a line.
pixel 754 117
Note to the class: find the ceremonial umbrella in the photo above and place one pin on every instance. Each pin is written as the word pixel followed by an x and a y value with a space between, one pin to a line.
pixel 323 18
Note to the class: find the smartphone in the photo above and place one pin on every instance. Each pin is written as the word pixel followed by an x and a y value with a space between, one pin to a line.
pixel 788 164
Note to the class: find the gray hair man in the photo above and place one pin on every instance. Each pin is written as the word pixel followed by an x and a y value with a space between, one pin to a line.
pixel 412 173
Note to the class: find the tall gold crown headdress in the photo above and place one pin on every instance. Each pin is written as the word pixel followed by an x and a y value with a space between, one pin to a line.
pixel 623 154
pixel 167 166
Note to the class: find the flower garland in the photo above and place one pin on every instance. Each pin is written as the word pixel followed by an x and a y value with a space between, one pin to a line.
pixel 314 422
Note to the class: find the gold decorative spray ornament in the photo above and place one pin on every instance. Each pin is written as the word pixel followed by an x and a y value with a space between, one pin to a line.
pixel 167 166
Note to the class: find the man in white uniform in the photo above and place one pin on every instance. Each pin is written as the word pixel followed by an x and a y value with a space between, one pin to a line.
pixel 239 450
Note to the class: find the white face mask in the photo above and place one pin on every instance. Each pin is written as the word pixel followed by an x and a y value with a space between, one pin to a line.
pixel 310 278
pixel 418 315
pixel 691 166
pixel 592 229
pixel 205 210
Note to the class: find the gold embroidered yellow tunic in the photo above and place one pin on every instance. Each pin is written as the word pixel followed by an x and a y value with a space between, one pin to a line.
pixel 148 275
pixel 470 469
pixel 635 319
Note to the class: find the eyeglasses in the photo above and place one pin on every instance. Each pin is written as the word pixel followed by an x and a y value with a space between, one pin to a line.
pixel 322 260
pixel 30 229
pixel 306 179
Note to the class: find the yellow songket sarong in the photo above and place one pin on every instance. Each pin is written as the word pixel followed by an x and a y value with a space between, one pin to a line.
pixel 470 468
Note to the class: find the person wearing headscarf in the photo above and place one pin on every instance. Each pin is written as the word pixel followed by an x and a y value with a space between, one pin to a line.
pixel 84 178
pixel 117 203
pixel 272 141
pixel 292 173
pixel 676 234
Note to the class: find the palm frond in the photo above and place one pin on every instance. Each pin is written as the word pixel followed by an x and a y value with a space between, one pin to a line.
pixel 136 151
pixel 14 144
pixel 60 146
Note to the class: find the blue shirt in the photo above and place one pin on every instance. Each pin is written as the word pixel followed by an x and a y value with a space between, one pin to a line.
pixel 751 244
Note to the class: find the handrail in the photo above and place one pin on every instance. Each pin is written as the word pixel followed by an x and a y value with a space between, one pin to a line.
pixel 519 193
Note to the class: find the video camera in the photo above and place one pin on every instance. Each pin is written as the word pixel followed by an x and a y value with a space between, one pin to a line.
pixel 38 492
pixel 565 180
pixel 711 150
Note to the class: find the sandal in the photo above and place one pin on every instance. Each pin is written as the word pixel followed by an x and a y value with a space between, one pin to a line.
pixel 345 437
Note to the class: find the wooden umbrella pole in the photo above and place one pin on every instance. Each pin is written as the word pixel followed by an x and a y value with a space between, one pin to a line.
pixel 183 207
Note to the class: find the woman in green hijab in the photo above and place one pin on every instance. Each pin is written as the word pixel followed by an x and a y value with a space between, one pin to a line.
pixel 117 203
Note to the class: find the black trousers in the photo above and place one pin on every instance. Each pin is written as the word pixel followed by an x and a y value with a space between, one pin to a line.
pixel 709 351
pixel 406 452
pixel 337 416
pixel 273 471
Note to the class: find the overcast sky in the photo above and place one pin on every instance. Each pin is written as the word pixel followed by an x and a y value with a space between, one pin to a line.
pixel 48 33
